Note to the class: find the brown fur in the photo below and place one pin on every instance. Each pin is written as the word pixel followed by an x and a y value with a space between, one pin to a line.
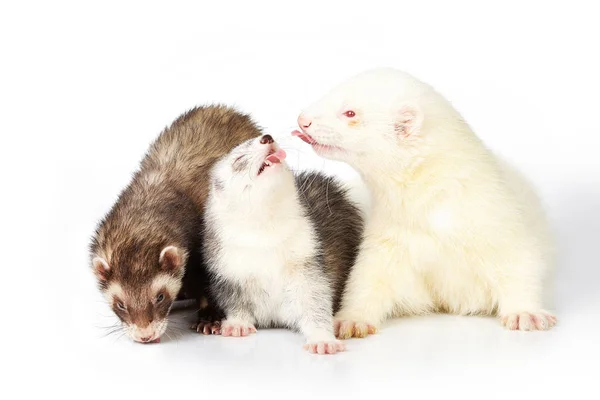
pixel 164 203
pixel 338 224
pixel 194 142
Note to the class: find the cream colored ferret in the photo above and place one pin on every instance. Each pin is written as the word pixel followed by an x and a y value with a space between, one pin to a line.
pixel 452 229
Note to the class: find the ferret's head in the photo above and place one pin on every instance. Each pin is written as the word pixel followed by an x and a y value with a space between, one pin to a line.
pixel 140 285
pixel 374 116
pixel 255 164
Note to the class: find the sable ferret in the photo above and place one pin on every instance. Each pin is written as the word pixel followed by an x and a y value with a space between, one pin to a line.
pixel 278 248
pixel 146 252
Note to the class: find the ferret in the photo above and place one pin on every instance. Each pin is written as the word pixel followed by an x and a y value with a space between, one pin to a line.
pixel 278 247
pixel 452 227
pixel 146 252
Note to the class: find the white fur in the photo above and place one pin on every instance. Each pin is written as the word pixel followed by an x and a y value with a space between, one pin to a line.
pixel 265 244
pixel 167 281
pixel 113 290
pixel 452 228
pixel 153 331
pixel 358 193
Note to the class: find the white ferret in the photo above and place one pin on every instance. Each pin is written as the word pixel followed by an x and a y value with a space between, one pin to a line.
pixel 452 228
pixel 278 247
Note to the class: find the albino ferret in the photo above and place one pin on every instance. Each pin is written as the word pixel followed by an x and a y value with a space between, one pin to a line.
pixel 452 228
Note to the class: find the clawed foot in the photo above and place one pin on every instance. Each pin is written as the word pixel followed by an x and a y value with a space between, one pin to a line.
pixel 237 329
pixel 347 329
pixel 328 347
pixel 208 327
pixel 539 321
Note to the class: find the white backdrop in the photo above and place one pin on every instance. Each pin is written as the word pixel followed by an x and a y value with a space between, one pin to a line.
pixel 84 88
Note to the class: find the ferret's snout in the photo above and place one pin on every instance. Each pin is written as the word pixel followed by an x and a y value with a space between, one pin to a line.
pixel 266 139
pixel 146 339
pixel 304 122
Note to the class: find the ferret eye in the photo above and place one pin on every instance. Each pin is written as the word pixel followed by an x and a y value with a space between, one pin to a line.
pixel 350 114
pixel 121 306
pixel 160 298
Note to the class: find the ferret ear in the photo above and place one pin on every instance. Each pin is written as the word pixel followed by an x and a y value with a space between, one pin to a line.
pixel 101 269
pixel 172 259
pixel 408 120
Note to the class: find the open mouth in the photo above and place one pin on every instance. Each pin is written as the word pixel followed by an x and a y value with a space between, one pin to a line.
pixel 316 145
pixel 275 156
pixel 304 136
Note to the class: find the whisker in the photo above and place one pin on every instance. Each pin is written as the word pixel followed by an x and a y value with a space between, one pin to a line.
pixel 177 325
pixel 169 336
pixel 111 333
pixel 107 327
pixel 327 195
pixel 309 182
pixel 178 330
pixel 119 337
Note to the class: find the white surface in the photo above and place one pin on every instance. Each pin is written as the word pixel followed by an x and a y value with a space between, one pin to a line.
pixel 84 89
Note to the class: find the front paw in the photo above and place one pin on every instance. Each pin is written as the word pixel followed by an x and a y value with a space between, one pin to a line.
pixel 324 347
pixel 526 321
pixel 237 329
pixel 346 329
pixel 208 327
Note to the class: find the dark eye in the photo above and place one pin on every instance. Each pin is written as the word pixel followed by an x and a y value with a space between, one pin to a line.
pixel 121 306
pixel 350 114
pixel 160 298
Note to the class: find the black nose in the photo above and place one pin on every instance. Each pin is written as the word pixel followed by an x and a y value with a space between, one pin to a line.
pixel 266 139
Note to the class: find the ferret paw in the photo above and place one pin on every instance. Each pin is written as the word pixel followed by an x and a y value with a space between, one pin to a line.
pixel 208 327
pixel 348 329
pixel 328 347
pixel 237 329
pixel 539 321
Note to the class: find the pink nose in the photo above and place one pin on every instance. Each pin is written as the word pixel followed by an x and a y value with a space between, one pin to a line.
pixel 304 122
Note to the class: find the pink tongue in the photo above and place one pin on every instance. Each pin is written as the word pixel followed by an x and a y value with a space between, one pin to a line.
pixel 277 157
pixel 303 136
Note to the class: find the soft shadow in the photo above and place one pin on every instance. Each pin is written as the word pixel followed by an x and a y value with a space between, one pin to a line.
pixel 576 223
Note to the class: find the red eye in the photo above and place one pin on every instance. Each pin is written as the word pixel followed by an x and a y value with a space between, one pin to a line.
pixel 350 114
